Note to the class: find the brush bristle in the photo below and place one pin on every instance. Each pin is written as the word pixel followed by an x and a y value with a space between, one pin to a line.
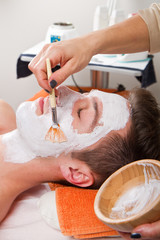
pixel 55 135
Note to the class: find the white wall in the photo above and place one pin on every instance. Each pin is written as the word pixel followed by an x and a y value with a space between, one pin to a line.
pixel 23 23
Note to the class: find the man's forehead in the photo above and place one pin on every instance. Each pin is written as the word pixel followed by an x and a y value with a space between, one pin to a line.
pixel 104 96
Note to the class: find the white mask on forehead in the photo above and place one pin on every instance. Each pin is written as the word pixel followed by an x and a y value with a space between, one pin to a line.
pixel 33 128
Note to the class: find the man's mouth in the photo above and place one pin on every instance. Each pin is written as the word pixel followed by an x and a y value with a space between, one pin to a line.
pixel 63 95
pixel 42 106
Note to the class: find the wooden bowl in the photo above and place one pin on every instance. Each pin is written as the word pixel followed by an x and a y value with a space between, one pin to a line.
pixel 130 196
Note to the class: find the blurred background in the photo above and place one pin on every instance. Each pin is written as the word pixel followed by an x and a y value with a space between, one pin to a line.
pixel 24 23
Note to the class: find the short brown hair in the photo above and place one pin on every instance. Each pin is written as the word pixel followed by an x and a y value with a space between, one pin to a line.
pixel 141 142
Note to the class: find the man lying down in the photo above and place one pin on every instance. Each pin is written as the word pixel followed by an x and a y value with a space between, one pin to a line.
pixel 104 132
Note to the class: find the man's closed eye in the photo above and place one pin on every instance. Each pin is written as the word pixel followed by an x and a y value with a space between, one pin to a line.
pixel 79 112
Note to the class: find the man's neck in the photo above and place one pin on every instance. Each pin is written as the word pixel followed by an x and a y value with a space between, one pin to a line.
pixel 44 169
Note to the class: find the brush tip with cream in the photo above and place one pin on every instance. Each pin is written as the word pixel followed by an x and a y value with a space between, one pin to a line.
pixel 55 135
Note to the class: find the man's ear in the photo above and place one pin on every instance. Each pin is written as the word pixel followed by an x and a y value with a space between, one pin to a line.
pixel 81 177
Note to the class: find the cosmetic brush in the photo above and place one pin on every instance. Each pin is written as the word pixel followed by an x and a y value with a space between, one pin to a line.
pixel 54 134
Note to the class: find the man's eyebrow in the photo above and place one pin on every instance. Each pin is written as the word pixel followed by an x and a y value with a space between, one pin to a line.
pixel 96 114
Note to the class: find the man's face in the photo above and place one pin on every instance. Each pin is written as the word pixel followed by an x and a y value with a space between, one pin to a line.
pixel 84 119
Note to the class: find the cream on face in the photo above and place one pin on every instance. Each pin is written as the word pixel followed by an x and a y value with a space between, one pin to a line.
pixel 33 128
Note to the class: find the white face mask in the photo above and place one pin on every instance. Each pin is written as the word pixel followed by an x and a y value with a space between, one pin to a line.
pixel 34 128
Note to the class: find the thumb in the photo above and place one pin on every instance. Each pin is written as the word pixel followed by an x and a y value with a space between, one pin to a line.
pixel 149 231
pixel 63 73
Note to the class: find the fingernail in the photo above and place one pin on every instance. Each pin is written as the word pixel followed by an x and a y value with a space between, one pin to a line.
pixel 47 91
pixel 135 235
pixel 53 83
pixel 56 68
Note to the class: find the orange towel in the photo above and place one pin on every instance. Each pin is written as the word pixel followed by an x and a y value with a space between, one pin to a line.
pixel 76 213
pixel 41 93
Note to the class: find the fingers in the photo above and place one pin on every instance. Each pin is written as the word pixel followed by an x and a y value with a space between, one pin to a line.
pixel 63 73
pixel 125 236
pixel 69 54
pixel 38 67
pixel 39 70
pixel 149 231
pixel 57 57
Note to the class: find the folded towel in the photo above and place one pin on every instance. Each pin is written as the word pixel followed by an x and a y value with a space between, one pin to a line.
pixel 75 209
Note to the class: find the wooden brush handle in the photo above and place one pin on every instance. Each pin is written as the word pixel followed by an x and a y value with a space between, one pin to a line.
pixel 52 94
